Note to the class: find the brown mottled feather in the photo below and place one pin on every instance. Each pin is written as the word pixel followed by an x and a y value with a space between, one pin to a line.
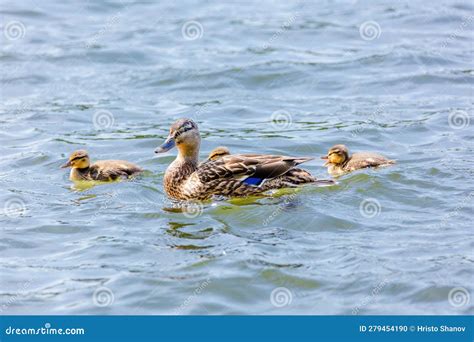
pixel 106 170
pixel 225 175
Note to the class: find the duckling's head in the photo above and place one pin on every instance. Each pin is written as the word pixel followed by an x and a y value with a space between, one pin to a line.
pixel 184 134
pixel 218 152
pixel 337 155
pixel 78 160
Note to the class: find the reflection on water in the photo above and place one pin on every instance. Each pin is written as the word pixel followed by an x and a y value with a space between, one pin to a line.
pixel 274 78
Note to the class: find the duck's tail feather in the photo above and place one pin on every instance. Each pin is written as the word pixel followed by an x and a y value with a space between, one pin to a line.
pixel 324 182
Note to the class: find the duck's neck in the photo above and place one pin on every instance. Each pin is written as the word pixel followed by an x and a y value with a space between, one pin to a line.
pixel 185 164
pixel 348 159
pixel 79 174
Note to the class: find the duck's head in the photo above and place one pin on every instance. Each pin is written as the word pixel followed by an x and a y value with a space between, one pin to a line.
pixel 218 152
pixel 337 155
pixel 78 160
pixel 184 134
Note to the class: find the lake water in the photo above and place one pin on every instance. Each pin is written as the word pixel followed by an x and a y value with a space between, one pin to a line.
pixel 283 77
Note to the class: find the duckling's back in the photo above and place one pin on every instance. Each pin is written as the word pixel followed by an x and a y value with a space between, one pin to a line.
pixel 113 169
pixel 361 160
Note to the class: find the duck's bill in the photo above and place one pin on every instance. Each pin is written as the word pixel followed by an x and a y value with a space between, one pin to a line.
pixel 166 146
pixel 326 159
pixel 68 164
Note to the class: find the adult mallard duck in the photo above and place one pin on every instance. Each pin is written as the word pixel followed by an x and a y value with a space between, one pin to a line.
pixel 101 170
pixel 229 175
pixel 339 161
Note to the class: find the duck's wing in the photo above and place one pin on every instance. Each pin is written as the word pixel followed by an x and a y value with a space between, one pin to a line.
pixel 114 169
pixel 252 169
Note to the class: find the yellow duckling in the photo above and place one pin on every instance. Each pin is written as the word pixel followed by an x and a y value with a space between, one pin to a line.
pixel 218 152
pixel 101 170
pixel 228 175
pixel 340 162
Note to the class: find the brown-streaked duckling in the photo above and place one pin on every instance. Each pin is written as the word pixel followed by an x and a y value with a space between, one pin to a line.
pixel 339 161
pixel 101 170
pixel 218 152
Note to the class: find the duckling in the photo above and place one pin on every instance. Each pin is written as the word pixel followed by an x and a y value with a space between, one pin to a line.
pixel 218 152
pixel 233 175
pixel 101 170
pixel 340 162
